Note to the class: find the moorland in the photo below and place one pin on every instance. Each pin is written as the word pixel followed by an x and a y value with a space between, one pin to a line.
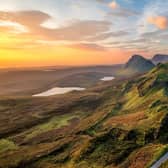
pixel 112 124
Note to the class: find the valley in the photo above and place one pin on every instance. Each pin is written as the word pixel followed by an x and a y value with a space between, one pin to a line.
pixel 84 84
pixel 119 123
pixel 26 82
pixel 31 81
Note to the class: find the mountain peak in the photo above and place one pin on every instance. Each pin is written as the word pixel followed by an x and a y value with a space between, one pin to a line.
pixel 160 58
pixel 139 64
pixel 137 56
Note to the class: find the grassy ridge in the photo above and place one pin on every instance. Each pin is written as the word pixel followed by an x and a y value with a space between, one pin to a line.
pixel 116 124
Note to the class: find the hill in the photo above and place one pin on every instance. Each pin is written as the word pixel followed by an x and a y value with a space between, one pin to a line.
pixel 160 58
pixel 139 64
pixel 116 124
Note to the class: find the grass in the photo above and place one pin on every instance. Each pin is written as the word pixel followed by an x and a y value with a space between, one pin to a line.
pixel 160 151
pixel 143 156
pixel 54 123
pixel 164 165
pixel 6 145
pixel 118 125
pixel 133 99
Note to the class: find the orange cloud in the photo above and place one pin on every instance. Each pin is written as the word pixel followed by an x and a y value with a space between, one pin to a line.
pixel 75 31
pixel 26 18
pixel 119 11
pixel 113 5
pixel 159 21
pixel 88 46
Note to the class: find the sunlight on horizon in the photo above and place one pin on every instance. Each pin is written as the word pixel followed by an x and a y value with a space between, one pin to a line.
pixel 33 35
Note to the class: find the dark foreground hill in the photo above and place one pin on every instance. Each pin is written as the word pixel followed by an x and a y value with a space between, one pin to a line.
pixel 118 124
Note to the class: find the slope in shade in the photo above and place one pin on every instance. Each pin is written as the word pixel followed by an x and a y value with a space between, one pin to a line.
pixel 138 63
pixel 160 58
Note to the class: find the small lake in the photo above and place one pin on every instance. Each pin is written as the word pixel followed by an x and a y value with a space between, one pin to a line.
pixel 58 90
pixel 62 90
pixel 107 78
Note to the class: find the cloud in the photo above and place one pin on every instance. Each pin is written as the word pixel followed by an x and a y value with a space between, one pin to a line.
pixel 77 30
pixel 120 11
pixel 88 46
pixel 5 29
pixel 101 1
pixel 153 34
pixel 104 36
pixel 27 18
pixel 159 21
pixel 154 16
pixel 17 45
pixel 113 5
pixel 11 27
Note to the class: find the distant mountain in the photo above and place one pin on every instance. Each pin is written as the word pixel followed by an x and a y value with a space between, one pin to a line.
pixel 138 63
pixel 160 58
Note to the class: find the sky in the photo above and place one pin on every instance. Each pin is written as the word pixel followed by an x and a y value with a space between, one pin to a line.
pixel 80 32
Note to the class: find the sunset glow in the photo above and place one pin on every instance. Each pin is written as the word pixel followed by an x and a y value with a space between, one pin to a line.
pixel 82 32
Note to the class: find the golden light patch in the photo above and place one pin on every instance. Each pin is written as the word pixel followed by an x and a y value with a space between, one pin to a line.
pixel 159 21
pixel 113 5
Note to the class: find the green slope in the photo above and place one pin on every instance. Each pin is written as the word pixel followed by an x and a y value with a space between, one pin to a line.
pixel 116 124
